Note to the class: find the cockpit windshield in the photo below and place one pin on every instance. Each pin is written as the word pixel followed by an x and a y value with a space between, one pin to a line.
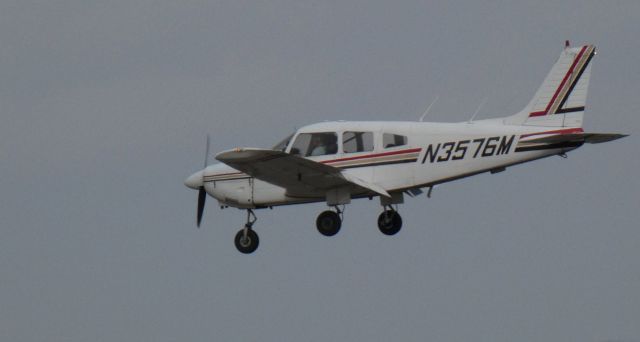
pixel 281 146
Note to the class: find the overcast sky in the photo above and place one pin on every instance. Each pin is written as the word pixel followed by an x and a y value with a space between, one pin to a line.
pixel 105 106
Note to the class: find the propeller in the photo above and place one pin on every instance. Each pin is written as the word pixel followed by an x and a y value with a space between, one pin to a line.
pixel 202 194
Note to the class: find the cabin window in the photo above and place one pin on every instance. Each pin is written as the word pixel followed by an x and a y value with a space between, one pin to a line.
pixel 393 140
pixel 357 142
pixel 315 144
pixel 282 146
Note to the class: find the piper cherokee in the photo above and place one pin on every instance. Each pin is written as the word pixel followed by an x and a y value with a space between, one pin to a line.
pixel 335 162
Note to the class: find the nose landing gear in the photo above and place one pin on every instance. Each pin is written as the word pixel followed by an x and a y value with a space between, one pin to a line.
pixel 329 222
pixel 247 240
pixel 389 222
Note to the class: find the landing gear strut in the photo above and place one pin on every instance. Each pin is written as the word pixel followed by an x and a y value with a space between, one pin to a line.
pixel 247 239
pixel 329 222
pixel 389 222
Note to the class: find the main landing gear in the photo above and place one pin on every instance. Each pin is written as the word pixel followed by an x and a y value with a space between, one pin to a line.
pixel 389 222
pixel 329 222
pixel 247 240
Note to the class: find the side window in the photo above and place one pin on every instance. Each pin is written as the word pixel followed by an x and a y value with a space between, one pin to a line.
pixel 315 144
pixel 393 140
pixel 357 142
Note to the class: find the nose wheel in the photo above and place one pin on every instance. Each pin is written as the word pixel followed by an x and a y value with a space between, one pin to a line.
pixel 247 240
pixel 329 222
pixel 389 222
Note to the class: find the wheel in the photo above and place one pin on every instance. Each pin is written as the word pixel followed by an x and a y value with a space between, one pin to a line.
pixel 389 222
pixel 248 244
pixel 328 223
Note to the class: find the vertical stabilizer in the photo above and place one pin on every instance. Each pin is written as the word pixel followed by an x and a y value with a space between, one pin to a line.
pixel 560 100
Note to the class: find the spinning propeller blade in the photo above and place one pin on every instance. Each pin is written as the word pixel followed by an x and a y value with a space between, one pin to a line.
pixel 202 194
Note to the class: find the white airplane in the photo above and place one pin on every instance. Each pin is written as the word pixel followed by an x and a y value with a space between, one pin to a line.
pixel 335 162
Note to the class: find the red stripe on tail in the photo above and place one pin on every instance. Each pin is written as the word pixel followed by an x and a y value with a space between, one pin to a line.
pixel 564 80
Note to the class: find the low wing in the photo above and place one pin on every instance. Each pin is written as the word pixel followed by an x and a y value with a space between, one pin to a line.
pixel 296 174
pixel 590 138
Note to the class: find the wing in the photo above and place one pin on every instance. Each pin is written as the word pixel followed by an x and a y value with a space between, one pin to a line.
pixel 296 174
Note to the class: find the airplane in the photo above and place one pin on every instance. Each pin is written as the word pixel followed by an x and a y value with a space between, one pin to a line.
pixel 336 162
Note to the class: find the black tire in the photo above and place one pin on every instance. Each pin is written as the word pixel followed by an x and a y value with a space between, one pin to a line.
pixel 389 222
pixel 249 245
pixel 328 223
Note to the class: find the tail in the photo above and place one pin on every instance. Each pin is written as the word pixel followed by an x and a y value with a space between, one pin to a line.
pixel 560 100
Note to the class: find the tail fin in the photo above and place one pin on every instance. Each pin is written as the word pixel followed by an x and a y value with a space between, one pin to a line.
pixel 560 100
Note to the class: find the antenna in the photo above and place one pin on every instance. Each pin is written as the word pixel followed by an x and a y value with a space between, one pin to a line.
pixel 429 108
pixel 479 107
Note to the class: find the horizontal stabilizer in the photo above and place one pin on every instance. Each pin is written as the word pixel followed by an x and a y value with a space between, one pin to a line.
pixel 590 138
pixel 596 138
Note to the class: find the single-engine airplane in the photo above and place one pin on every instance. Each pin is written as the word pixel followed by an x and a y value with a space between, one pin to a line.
pixel 335 162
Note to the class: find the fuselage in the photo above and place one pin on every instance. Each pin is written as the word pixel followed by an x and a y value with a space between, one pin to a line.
pixel 397 156
pixel 335 162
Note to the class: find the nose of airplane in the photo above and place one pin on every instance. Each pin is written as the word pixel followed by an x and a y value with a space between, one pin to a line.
pixel 194 181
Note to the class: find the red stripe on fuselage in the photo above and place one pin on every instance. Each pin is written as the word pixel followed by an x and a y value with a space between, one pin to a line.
pixel 373 155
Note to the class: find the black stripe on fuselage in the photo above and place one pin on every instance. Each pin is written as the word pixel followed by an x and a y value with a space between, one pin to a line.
pixel 566 144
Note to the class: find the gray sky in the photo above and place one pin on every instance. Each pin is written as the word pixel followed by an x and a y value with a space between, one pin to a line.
pixel 105 107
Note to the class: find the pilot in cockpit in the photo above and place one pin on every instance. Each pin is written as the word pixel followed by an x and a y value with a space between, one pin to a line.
pixel 323 144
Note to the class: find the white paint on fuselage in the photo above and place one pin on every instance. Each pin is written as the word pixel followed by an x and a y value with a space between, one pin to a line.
pixel 248 192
